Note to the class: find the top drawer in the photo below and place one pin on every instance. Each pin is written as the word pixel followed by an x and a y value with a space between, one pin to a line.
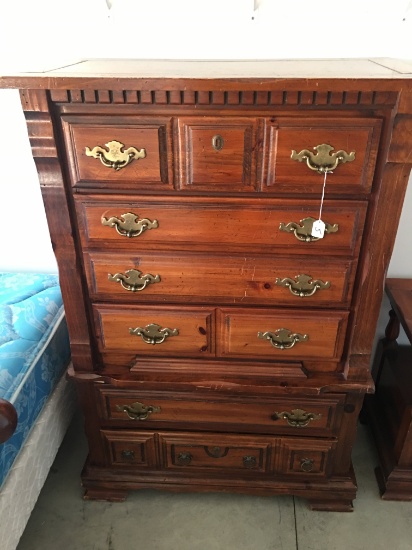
pixel 316 143
pixel 127 152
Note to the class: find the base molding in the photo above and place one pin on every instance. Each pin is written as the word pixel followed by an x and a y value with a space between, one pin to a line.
pixel 334 494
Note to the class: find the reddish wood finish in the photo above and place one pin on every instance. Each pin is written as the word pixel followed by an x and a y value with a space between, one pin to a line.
pixel 390 410
pixel 8 420
pixel 219 180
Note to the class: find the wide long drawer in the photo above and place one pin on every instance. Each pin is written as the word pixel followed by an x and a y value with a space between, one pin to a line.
pixel 213 278
pixel 147 223
pixel 275 415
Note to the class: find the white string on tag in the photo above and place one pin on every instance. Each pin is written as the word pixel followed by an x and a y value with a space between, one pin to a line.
pixel 318 227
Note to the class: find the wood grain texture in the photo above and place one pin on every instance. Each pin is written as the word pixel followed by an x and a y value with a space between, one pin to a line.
pixel 219 180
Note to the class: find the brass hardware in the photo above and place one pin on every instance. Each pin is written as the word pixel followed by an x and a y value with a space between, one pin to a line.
pixel 283 338
pixel 153 333
pixel 306 464
pixel 133 280
pixel 323 160
pixel 115 157
pixel 184 459
pixel 128 455
pixel 304 232
pixel 129 224
pixel 298 418
pixel 303 285
pixel 216 452
pixel 138 411
pixel 218 142
pixel 249 462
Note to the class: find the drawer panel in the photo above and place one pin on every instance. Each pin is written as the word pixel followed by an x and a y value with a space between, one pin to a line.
pixel 156 330
pixel 219 278
pixel 360 135
pixel 218 153
pixel 149 169
pixel 303 334
pixel 232 224
pixel 220 452
pixel 275 415
pixel 306 457
pixel 130 448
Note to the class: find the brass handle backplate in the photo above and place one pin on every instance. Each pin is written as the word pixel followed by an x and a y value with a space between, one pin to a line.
pixel 249 462
pixel 306 464
pixel 133 280
pixel 137 410
pixel 303 229
pixel 129 224
pixel 283 338
pixel 115 156
pixel 298 418
pixel 153 333
pixel 303 285
pixel 184 459
pixel 323 160
pixel 218 142
pixel 128 455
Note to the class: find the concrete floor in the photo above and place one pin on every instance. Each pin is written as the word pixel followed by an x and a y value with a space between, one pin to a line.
pixel 153 520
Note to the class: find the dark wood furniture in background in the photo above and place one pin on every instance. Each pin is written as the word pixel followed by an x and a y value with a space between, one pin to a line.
pixel 216 345
pixel 389 411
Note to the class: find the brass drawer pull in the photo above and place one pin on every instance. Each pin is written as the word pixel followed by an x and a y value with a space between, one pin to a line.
pixel 323 160
pixel 184 459
pixel 115 157
pixel 297 418
pixel 283 338
pixel 303 232
pixel 153 333
pixel 128 455
pixel 218 142
pixel 133 280
pixel 129 224
pixel 138 411
pixel 249 462
pixel 306 464
pixel 303 285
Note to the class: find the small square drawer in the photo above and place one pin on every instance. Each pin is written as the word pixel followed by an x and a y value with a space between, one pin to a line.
pixel 306 457
pixel 119 152
pixel 218 153
pixel 215 452
pixel 295 143
pixel 130 448
pixel 281 334
pixel 155 331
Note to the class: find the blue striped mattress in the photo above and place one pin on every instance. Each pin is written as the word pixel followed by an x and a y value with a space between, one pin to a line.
pixel 34 350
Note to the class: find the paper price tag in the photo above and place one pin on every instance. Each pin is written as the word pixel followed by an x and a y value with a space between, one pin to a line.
pixel 318 229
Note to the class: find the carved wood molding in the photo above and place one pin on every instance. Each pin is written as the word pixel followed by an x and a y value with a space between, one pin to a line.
pixel 230 98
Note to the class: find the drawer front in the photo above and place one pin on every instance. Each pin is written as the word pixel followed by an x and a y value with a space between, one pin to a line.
pixel 130 448
pixel 155 330
pixel 285 135
pixel 100 151
pixel 217 278
pixel 306 457
pixel 220 452
pixel 302 415
pixel 277 225
pixel 298 334
pixel 218 153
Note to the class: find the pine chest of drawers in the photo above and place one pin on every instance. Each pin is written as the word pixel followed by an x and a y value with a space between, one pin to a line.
pixel 217 345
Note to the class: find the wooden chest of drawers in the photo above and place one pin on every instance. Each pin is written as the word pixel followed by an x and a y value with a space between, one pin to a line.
pixel 217 345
